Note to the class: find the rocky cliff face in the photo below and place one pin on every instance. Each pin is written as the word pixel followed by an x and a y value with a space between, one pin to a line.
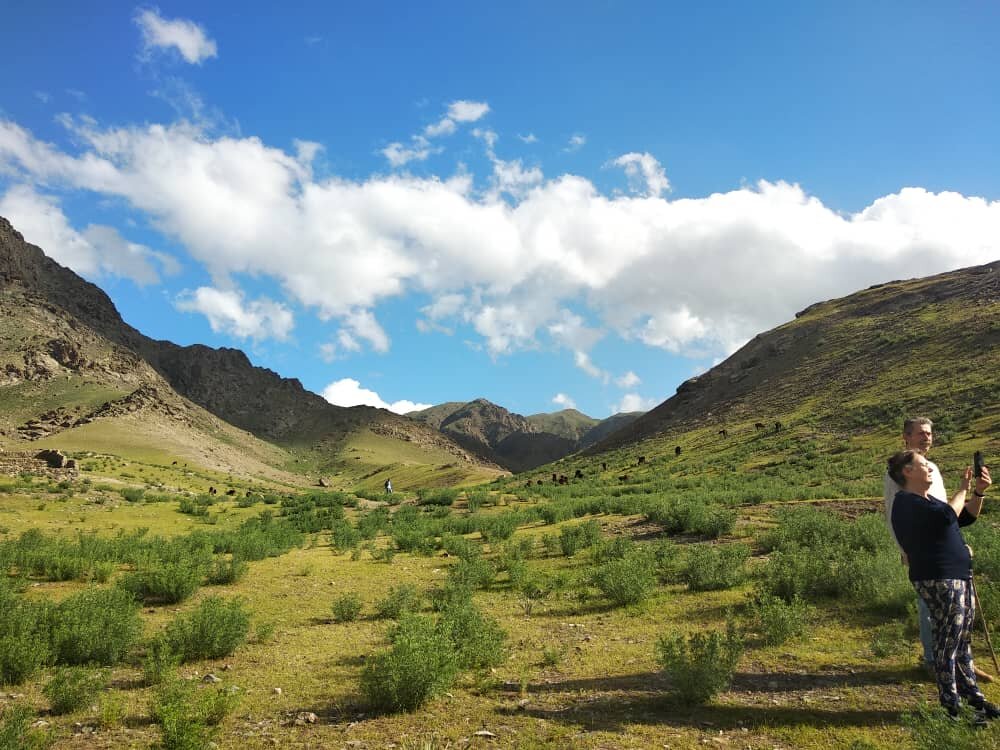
pixel 222 381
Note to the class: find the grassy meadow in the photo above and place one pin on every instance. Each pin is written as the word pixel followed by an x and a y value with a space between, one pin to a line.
pixel 744 594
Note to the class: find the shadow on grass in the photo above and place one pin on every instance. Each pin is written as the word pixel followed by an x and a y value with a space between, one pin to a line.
pixel 614 703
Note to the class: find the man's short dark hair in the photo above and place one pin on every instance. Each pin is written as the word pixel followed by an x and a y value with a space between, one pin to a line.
pixel 897 462
pixel 912 422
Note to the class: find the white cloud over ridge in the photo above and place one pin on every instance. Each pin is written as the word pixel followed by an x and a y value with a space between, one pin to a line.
pixel 228 312
pixel 561 399
pixel 186 37
pixel 348 392
pixel 95 252
pixel 696 276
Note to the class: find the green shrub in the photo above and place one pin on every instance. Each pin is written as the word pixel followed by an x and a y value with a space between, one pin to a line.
pixel 778 620
pixel 24 637
pixel 227 572
pixel 189 715
pixel 889 640
pixel 700 666
pixel 612 549
pixel 344 537
pixel 215 628
pixel 72 688
pixel 16 732
pixel 476 500
pixel 133 494
pixel 629 580
pixel 400 600
pixel 459 546
pixel 711 568
pixel 420 664
pixel 347 607
pixel 449 595
pixel 499 527
pixel 445 496
pixel 479 641
pixel 96 625
pixel 474 572
pixel 160 662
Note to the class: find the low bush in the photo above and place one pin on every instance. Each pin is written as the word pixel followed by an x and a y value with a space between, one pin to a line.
pixel 344 537
pixel 629 580
pixel 777 620
pixel 889 640
pixel 96 625
pixel 714 567
pixel 16 732
pixel 420 664
pixel 700 666
pixel 444 496
pixel 459 546
pixel 189 715
pixel 215 628
pixel 479 641
pixel 160 662
pixel 24 637
pixel 474 572
pixel 401 599
pixel 574 538
pixel 72 688
pixel 347 607
pixel 227 572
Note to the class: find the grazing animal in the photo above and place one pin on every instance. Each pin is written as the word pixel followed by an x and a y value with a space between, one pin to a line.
pixel 578 475
pixel 777 426
pixel 759 426
pixel 642 460
pixel 174 463
pixel 677 451
pixel 623 478
pixel 211 490
pixel 604 467
pixel 563 479
pixel 539 481
pixel 723 433
pixel 248 493
pixel 528 483
pixel 231 493
pixel 555 477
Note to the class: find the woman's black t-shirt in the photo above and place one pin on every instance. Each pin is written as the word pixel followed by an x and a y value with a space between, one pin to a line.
pixel 928 532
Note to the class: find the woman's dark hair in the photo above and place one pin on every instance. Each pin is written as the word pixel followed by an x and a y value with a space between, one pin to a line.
pixel 897 462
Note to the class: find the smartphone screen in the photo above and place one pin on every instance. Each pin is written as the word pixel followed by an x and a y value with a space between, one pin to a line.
pixel 977 463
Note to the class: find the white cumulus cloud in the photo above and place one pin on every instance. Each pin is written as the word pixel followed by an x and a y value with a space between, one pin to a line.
pixel 187 37
pixel 628 380
pixel 696 276
pixel 561 399
pixel 645 173
pixel 348 392
pixel 633 402
pixel 95 252
pixel 575 143
pixel 228 312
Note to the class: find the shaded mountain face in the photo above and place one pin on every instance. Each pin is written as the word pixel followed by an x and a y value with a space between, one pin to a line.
pixel 221 381
pixel 515 442
pixel 929 345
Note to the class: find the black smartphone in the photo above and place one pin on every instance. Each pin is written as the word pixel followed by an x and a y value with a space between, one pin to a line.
pixel 977 464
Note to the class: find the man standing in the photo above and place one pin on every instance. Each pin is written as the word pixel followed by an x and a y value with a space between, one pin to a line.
pixel 918 436
pixel 388 486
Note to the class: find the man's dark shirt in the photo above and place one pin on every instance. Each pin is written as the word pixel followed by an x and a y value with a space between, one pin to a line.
pixel 927 530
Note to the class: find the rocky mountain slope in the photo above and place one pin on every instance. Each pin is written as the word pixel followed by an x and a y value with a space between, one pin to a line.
pixel 929 345
pixel 515 442
pixel 59 325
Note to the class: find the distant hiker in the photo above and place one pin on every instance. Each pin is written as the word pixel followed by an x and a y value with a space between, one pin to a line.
pixel 940 569
pixel 388 486
pixel 918 436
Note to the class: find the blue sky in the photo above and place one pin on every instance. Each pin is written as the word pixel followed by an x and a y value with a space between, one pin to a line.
pixel 542 204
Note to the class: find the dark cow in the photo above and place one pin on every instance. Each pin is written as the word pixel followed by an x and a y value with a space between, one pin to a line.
pixel 555 477
pixel 231 493
pixel 174 463
pixel 540 481
pixel 677 451
pixel 777 426
pixel 623 478
pixel 723 433
pixel 642 460
pixel 759 426
pixel 563 479
pixel 604 467
pixel 212 491
pixel 248 493
pixel 528 483
pixel 578 474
